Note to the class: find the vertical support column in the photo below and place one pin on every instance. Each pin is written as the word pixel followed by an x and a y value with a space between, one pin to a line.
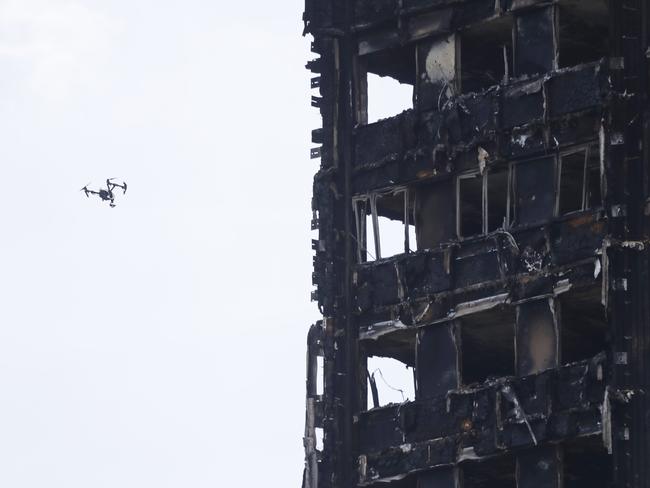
pixel 537 348
pixel 361 83
pixel 437 360
pixel 536 41
pixel 627 297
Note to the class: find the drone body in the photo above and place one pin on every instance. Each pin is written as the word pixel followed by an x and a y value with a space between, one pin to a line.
pixel 107 193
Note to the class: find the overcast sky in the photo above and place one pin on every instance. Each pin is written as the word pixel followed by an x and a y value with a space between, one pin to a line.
pixel 160 343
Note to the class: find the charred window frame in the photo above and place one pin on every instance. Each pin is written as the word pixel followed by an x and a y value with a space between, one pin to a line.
pixel 486 53
pixel 492 189
pixel 370 210
pixel 395 63
pixel 579 177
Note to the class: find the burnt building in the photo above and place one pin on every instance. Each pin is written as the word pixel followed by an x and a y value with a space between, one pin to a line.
pixel 518 186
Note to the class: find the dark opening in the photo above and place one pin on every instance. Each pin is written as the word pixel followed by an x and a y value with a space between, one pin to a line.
pixel 470 205
pixel 583 324
pixel 494 473
pixel 486 54
pixel 387 89
pixel 572 181
pixel 497 199
pixel 488 345
pixel 534 191
pixel 587 464
pixel 584 32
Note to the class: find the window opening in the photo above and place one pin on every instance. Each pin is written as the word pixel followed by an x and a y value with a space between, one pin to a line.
pixel 579 185
pixel 387 97
pixel 392 380
pixel 572 181
pixel 320 437
pixel 486 55
pixel 583 325
pixel 412 235
pixel 483 202
pixel 385 85
pixel 488 345
pixel 385 225
pixel 534 190
pixel 391 224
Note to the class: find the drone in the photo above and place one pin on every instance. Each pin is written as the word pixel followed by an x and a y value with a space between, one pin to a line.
pixel 106 194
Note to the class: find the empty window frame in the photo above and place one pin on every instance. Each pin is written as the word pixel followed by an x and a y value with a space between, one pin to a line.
pixel 579 180
pixel 389 381
pixel 385 83
pixel 483 202
pixel 486 54
pixel 385 224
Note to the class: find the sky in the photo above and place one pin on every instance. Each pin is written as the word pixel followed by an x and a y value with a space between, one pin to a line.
pixel 162 342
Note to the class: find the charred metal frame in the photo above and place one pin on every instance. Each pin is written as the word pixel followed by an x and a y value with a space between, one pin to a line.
pixel 530 340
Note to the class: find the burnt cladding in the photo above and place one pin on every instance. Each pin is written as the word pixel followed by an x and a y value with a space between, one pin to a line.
pixel 481 255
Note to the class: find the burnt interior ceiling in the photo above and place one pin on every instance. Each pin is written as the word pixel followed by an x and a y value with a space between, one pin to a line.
pixel 397 63
pixel 494 237
pixel 399 345
pixel 391 206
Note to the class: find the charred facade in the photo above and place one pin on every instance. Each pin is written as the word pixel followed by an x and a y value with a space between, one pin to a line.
pixel 518 189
